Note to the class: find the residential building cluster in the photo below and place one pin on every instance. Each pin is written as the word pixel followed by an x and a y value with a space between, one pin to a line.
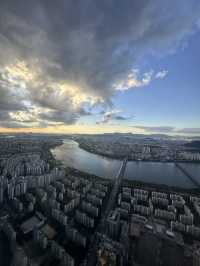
pixel 147 149
pixel 189 156
pixel 56 214
pixel 168 218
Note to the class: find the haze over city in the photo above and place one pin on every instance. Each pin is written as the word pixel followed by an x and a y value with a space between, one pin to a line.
pixel 100 66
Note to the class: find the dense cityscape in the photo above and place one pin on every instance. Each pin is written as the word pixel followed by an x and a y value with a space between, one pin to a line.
pixel 99 133
pixel 56 215
pixel 140 147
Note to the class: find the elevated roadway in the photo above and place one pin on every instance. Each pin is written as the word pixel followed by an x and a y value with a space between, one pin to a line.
pixel 185 172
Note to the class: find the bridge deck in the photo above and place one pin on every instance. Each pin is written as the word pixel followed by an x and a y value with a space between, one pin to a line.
pixel 115 189
pixel 192 179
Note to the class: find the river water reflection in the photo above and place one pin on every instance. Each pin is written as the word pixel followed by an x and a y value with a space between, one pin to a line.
pixel 154 172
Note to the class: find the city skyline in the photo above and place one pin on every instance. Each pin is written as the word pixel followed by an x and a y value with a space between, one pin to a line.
pixel 100 66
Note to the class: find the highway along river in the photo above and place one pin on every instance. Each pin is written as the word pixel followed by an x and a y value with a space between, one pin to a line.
pixel 153 172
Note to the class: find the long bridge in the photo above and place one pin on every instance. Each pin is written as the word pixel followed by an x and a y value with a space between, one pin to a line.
pixel 192 179
pixel 115 188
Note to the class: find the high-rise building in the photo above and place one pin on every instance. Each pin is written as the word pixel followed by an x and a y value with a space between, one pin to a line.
pixel 113 224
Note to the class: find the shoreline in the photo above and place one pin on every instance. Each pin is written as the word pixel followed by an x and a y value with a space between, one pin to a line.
pixel 135 183
pixel 128 181
pixel 71 170
pixel 120 158
pixel 159 187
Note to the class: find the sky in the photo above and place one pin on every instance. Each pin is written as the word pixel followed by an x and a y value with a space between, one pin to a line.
pixel 100 66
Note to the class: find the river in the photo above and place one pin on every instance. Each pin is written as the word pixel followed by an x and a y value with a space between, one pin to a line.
pixel 153 172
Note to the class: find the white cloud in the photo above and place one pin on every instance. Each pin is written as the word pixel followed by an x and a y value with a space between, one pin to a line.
pixel 136 80
pixel 61 71
pixel 113 115
pixel 39 97
pixel 161 74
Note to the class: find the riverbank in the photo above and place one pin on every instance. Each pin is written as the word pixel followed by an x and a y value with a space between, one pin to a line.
pixel 110 156
pixel 159 187
pixel 71 155
pixel 135 183
pixel 76 172
pixel 121 157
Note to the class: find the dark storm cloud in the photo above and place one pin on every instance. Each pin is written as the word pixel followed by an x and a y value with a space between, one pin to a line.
pixel 4 116
pixel 61 117
pixel 8 101
pixel 8 121
pixel 13 124
pixel 91 44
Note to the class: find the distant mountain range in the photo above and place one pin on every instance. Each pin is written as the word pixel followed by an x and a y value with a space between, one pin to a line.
pixel 116 134
pixel 145 136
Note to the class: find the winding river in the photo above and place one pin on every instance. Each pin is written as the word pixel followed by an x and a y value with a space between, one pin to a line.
pixel 153 172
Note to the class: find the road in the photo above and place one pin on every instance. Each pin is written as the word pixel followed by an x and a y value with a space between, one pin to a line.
pixel 91 257
pixel 115 189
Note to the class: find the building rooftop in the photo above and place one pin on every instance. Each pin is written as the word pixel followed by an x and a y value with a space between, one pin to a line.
pixel 30 224
pixel 135 229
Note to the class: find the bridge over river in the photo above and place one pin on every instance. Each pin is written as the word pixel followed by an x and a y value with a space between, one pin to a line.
pixel 115 189
pixel 186 173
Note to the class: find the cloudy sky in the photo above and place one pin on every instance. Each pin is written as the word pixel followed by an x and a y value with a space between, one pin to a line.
pixel 93 66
